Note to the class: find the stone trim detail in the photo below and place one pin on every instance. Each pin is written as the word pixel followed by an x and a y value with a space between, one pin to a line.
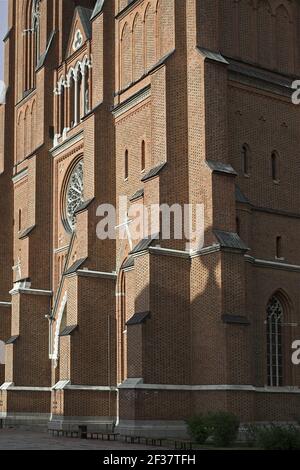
pixel 58 149
pixel 132 384
pixel 66 385
pixel 212 55
pixel 261 263
pixel 19 176
pixel 89 273
pixel 29 291
pixel 16 388
pixel 134 100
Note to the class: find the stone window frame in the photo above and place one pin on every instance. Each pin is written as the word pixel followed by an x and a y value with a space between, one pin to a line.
pixel 63 209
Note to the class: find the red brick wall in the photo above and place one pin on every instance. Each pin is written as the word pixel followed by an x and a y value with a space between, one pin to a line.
pixel 195 110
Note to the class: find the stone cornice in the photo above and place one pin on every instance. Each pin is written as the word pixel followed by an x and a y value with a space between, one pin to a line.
pixel 135 384
pixel 89 273
pixel 5 304
pixel 66 144
pixel 280 265
pixel 19 176
pixel 260 78
pixel 28 291
pixel 266 210
pixel 156 250
pixel 134 100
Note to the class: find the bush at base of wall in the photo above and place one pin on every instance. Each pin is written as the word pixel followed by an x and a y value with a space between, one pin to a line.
pixel 221 426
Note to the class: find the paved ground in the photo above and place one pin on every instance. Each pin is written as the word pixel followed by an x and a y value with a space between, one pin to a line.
pixel 26 440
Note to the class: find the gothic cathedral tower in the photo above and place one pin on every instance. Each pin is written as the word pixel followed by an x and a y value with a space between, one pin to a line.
pixel 117 105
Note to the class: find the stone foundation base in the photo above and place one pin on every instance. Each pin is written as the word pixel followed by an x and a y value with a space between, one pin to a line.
pixel 154 411
pixel 27 409
pixel 153 429
pixel 28 422
pixel 75 406
pixel 94 424
pixel 161 411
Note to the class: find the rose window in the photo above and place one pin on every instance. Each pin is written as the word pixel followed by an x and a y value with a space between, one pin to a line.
pixel 74 195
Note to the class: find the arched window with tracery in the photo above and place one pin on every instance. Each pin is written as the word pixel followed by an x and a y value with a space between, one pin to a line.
pixel 274 342
pixel 31 42
pixel 73 97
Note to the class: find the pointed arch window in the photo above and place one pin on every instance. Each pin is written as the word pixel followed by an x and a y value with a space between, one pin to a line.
pixel 274 342
pixel 71 99
pixel 275 167
pixel 143 156
pixel 20 220
pixel 279 248
pixel 246 160
pixel 31 43
pixel 126 165
pixel 61 107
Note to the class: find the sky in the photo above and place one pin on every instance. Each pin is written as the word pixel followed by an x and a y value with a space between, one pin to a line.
pixel 3 31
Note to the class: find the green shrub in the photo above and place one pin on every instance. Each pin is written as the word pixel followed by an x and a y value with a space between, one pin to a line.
pixel 250 434
pixel 277 437
pixel 197 427
pixel 223 427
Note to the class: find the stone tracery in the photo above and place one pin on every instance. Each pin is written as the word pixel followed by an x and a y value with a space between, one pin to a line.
pixel 73 97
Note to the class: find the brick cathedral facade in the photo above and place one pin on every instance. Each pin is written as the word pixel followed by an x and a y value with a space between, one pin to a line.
pixel 164 102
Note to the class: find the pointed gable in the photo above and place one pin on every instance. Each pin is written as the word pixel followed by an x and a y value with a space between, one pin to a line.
pixel 81 29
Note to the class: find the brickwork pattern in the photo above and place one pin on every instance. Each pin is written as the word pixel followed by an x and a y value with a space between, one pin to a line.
pixel 155 93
